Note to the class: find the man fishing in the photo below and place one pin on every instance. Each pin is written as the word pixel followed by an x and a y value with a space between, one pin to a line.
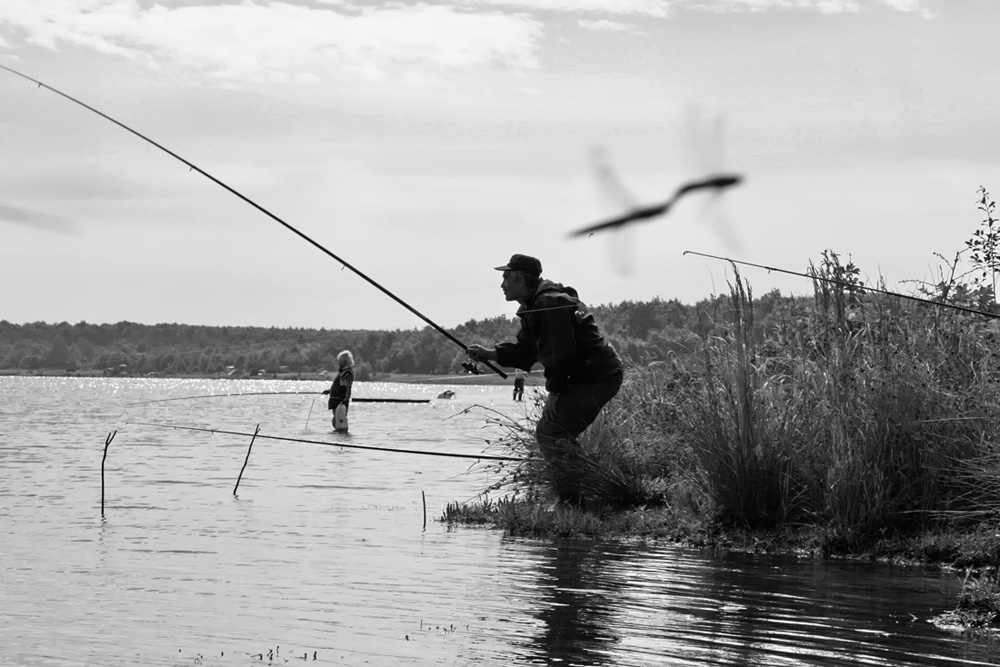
pixel 583 372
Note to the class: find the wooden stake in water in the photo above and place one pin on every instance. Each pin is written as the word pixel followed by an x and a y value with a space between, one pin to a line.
pixel 424 498
pixel 107 441
pixel 310 412
pixel 247 459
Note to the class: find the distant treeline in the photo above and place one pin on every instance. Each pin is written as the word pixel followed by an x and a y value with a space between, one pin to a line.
pixel 643 331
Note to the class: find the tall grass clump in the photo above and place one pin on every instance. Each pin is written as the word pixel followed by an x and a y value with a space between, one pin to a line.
pixel 630 457
pixel 859 413
pixel 738 425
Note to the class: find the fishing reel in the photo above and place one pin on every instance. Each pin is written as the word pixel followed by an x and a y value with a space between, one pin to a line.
pixel 471 366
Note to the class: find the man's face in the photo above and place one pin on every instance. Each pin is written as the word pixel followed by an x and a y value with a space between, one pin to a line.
pixel 512 285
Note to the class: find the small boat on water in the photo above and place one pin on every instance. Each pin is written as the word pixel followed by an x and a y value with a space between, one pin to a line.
pixel 447 393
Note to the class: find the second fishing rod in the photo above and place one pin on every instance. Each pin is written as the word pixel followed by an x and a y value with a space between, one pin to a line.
pixel 263 210
pixel 842 283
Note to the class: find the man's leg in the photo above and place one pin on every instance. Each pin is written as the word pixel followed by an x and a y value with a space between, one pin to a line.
pixel 576 409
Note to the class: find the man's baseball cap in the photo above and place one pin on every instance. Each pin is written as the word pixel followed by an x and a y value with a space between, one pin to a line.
pixel 524 263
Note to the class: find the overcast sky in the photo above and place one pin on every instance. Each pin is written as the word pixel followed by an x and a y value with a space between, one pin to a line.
pixel 424 143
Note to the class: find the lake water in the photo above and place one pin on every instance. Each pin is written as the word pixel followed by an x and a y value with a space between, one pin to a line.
pixel 323 556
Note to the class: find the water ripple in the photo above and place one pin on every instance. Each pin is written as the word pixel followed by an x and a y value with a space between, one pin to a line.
pixel 323 551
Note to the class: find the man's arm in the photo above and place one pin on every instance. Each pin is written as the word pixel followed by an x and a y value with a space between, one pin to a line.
pixel 520 354
pixel 480 353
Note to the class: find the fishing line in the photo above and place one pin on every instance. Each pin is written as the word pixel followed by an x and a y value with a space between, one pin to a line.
pixel 842 283
pixel 273 393
pixel 643 275
pixel 260 208
pixel 437 379
pixel 331 444
pixel 632 279
pixel 427 381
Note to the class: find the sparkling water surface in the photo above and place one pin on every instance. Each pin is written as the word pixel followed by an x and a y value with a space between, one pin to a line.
pixel 323 557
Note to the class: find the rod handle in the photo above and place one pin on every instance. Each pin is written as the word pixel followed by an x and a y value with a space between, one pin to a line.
pixel 496 370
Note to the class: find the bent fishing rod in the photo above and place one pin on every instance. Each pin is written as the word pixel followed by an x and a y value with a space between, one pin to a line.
pixel 842 283
pixel 260 208
pixel 396 450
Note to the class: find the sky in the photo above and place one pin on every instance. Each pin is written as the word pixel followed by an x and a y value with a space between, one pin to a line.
pixel 423 143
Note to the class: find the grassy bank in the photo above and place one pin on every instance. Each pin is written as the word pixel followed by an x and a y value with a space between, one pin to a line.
pixel 860 426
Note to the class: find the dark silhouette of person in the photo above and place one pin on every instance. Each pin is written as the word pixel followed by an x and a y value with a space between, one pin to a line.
pixel 583 372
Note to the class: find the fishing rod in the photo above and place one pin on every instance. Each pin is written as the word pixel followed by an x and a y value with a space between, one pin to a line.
pixel 274 393
pixel 333 444
pixel 470 367
pixel 850 285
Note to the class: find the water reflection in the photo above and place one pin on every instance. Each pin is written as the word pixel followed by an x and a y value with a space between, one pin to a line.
pixel 658 605
pixel 575 600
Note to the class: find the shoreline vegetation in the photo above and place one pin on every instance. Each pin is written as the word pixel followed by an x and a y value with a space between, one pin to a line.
pixel 849 424
pixel 862 426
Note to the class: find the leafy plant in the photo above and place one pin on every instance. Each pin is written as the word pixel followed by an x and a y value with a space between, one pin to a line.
pixel 985 245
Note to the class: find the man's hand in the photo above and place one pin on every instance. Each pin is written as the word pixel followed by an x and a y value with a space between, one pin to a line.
pixel 480 353
pixel 549 409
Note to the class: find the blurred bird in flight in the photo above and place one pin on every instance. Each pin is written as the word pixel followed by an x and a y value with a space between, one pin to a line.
pixel 703 148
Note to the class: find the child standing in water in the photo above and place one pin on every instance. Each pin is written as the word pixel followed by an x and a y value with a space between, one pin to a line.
pixel 340 391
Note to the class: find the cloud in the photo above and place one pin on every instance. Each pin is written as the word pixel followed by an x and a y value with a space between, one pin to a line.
pixel 603 24
pixel 292 41
pixel 654 8
pixel 663 8
pixel 903 5
pixel 909 6
pixel 279 40
pixel 822 6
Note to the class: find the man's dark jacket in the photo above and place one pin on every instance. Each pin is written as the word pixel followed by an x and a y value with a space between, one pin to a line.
pixel 557 331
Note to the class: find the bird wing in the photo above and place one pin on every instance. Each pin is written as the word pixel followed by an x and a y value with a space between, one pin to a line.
pixel 608 181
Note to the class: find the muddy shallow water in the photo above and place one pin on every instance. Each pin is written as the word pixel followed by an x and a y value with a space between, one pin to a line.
pixel 323 557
